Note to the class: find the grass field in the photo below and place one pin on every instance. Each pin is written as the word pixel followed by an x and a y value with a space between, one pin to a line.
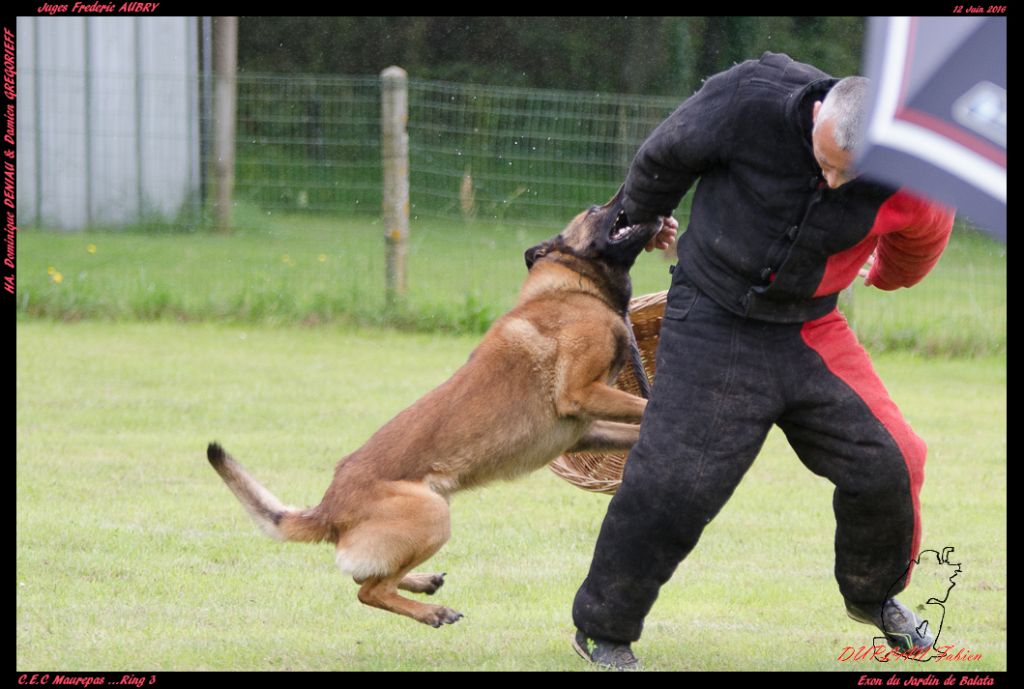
pixel 315 269
pixel 131 553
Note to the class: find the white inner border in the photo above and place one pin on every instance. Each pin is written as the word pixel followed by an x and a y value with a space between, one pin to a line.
pixel 919 141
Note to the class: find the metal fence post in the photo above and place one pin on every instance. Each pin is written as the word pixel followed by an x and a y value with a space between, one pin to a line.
pixel 394 139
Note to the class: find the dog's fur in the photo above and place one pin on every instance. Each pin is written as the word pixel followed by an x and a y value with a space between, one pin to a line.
pixel 536 387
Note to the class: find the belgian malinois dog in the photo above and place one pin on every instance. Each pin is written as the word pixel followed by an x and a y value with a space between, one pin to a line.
pixel 537 386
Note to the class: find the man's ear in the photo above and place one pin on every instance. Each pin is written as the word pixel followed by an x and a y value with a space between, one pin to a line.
pixel 814 112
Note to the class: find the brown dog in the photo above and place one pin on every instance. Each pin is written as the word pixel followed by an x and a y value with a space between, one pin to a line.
pixel 536 387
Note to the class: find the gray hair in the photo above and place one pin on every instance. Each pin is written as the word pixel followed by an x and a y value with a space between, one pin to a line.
pixel 845 105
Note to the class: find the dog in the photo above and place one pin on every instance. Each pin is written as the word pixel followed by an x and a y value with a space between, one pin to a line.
pixel 537 386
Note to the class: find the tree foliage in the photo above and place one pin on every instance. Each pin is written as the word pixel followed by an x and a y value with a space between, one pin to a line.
pixel 648 55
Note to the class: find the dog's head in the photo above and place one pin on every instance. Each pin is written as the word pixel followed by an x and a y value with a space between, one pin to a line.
pixel 601 233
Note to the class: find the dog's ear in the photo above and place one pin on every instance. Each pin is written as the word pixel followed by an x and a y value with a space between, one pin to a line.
pixel 535 252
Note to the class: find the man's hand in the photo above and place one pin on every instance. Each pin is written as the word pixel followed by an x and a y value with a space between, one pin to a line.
pixel 665 236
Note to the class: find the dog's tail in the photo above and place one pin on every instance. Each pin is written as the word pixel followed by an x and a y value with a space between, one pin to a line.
pixel 270 514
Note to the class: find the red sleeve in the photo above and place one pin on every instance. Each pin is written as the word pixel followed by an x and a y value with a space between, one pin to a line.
pixel 912 234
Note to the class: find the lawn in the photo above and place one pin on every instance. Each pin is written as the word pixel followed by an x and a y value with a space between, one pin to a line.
pixel 131 553
pixel 315 269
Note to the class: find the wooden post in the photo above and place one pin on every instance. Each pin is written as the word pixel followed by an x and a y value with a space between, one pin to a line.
pixel 225 46
pixel 394 139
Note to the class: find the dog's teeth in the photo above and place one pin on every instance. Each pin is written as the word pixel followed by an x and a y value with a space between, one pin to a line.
pixel 621 232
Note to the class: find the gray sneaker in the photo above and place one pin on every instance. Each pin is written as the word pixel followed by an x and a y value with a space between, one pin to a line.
pixel 904 630
pixel 605 653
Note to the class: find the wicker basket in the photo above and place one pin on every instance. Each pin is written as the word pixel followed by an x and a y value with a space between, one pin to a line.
pixel 602 473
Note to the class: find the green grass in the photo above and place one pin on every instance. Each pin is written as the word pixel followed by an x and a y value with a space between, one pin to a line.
pixel 300 269
pixel 131 553
pixel 959 308
pixel 314 269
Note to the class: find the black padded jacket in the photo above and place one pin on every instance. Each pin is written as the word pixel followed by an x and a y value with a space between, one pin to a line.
pixel 767 238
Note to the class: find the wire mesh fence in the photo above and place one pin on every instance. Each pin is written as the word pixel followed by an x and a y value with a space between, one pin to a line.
pixel 309 144
pixel 486 160
pixel 491 170
pixel 520 155
pixel 503 155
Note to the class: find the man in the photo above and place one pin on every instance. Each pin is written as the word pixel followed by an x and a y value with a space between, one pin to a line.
pixel 751 337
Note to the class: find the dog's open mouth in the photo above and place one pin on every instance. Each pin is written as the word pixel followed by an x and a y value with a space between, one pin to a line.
pixel 622 229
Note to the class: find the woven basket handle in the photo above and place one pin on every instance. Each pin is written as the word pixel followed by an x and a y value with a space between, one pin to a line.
pixel 639 371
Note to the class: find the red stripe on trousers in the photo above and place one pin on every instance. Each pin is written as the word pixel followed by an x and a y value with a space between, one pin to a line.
pixel 833 339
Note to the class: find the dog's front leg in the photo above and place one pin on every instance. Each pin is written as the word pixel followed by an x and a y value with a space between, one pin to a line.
pixel 601 401
pixel 607 436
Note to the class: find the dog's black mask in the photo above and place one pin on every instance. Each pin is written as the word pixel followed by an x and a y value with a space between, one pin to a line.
pixel 601 233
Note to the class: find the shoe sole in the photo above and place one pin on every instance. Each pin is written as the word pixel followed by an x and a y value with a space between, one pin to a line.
pixel 582 653
pixel 908 645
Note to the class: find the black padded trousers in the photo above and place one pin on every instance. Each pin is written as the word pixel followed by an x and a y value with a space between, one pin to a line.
pixel 721 382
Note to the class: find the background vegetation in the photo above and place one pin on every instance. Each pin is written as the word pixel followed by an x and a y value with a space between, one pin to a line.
pixel 649 55
pixel 296 269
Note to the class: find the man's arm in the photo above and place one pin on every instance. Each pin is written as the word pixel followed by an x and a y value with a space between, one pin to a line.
pixel 914 234
pixel 680 149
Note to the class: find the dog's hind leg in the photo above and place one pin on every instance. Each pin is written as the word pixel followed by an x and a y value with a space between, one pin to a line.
pixel 382 593
pixel 403 529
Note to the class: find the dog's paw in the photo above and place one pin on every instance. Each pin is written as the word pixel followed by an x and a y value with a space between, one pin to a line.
pixel 442 615
pixel 435 581
pixel 422 582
